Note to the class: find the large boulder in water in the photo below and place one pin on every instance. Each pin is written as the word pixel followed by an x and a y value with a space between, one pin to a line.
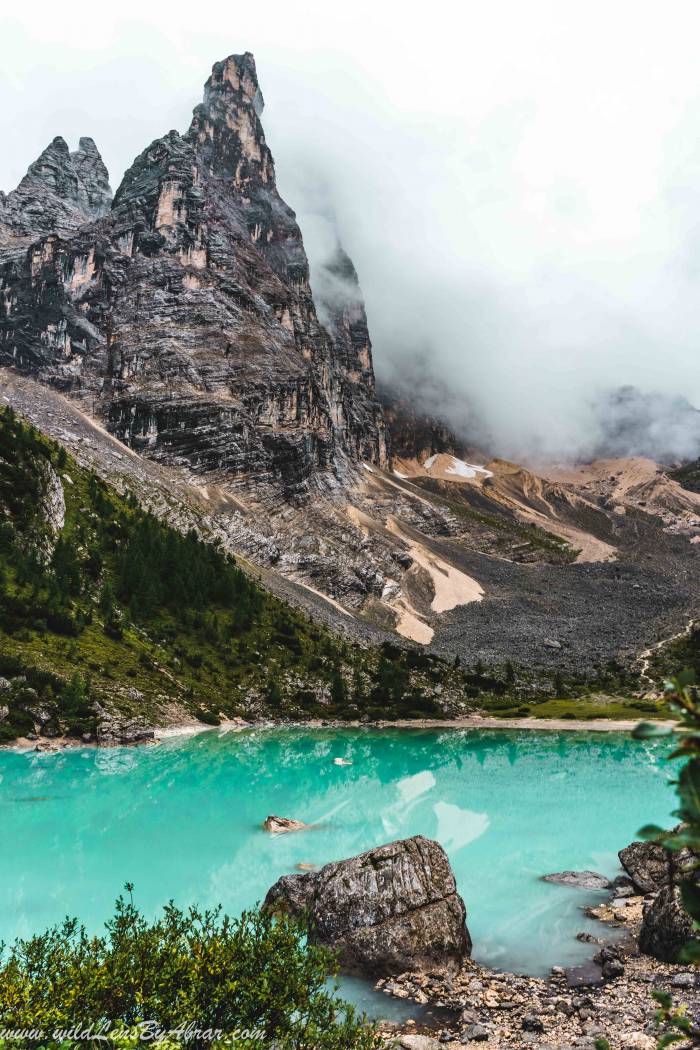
pixel 392 909
pixel 666 926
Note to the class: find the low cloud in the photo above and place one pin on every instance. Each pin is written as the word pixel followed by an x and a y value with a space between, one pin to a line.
pixel 517 185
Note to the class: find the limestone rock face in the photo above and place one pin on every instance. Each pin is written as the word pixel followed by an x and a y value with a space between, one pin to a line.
pixel 113 729
pixel 389 910
pixel 666 926
pixel 185 313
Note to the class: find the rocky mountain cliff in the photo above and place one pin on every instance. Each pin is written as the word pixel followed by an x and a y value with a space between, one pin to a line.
pixel 183 309
pixel 173 341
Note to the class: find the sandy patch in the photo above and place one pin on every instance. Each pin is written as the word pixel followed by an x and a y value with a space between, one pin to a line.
pixel 452 586
pixel 410 625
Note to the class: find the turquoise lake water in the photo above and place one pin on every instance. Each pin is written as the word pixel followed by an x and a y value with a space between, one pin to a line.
pixel 182 820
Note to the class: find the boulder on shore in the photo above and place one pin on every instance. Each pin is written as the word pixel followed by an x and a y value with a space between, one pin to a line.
pixel 582 880
pixel 280 825
pixel 387 911
pixel 666 926
pixel 651 867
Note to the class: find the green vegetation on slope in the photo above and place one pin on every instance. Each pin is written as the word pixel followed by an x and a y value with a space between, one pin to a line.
pixel 188 974
pixel 121 608
pixel 681 654
pixel 688 476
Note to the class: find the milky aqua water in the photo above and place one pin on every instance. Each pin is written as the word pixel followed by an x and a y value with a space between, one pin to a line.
pixel 183 820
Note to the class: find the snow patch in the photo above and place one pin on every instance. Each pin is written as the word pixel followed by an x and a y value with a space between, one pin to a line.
pixel 467 470
pixel 404 477
pixel 429 462
pixel 367 467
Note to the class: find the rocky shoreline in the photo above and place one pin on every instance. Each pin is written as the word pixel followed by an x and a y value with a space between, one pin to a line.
pixel 608 998
pixel 132 732
pixel 514 1011
pixel 396 908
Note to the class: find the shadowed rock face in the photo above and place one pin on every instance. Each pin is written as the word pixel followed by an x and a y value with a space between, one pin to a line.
pixel 387 911
pixel 185 313
pixel 666 926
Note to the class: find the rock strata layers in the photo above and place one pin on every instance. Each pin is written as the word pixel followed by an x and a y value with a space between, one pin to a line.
pixel 389 910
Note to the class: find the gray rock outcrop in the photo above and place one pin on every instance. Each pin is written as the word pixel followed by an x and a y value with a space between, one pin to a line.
pixel 60 192
pixel 666 926
pixel 389 910
pixel 651 867
pixel 582 880
pixel 113 729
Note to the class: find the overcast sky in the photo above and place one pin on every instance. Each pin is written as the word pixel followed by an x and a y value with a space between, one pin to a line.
pixel 517 183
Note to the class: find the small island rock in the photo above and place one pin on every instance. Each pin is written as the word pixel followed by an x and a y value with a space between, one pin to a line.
pixel 582 880
pixel 280 825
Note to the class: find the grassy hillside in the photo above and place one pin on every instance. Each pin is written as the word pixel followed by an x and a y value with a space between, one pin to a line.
pixel 120 608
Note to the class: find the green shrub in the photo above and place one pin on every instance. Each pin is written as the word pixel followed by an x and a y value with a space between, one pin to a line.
pixel 208 717
pixel 196 968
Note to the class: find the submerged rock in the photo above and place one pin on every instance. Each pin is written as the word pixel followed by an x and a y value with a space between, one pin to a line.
pixel 387 911
pixel 666 926
pixel 583 880
pixel 280 825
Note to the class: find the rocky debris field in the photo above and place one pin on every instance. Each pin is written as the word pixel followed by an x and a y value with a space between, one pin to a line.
pixel 505 1010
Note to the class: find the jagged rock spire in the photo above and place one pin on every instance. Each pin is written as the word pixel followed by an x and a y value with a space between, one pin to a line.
pixel 226 128
pixel 187 312
pixel 94 192
pixel 60 192
pixel 53 170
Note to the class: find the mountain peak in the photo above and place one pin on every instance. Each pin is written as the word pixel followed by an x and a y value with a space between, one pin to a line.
pixel 61 191
pixel 235 75
pixel 226 128
pixel 94 194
